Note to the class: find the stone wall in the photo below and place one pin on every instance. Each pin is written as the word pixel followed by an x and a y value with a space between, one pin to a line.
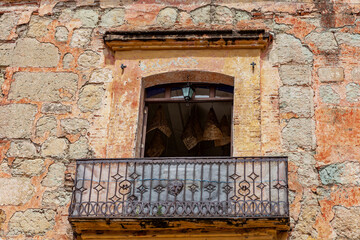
pixel 55 72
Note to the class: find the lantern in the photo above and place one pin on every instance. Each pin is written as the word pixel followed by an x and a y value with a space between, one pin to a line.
pixel 188 92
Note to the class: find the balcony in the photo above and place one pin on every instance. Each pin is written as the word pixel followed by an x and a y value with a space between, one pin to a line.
pixel 180 189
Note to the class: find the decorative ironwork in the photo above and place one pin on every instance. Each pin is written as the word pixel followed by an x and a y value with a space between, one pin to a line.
pixel 234 176
pixel 124 187
pixel 142 189
pixel 81 189
pixel 279 186
pixel 98 187
pixel 253 176
pixel 244 188
pixel 227 189
pixel 134 175
pixel 181 188
pixel 117 176
pixel 261 186
pixel 133 198
pixel 210 188
pixel 159 189
pixel 175 187
pixel 114 198
pixel 193 188
pixel 253 197
pixel 235 198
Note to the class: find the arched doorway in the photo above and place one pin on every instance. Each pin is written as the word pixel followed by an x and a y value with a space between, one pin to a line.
pixel 190 115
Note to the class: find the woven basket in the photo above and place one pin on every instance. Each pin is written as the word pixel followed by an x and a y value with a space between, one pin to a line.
pixel 225 129
pixel 212 129
pixel 157 145
pixel 192 134
pixel 160 122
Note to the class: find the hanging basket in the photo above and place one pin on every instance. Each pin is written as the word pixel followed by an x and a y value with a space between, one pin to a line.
pixel 212 129
pixel 192 134
pixel 160 122
pixel 157 146
pixel 225 129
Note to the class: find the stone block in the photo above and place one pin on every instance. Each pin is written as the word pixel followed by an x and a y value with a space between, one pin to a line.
pixel 348 38
pixel 346 173
pixel 6 53
pixel 313 21
pixel 2 219
pixel 89 59
pixel 55 108
pixel 324 41
pixel 351 174
pixel 167 17
pixel 113 18
pixel 355 73
pixel 328 95
pixel 30 85
pixel 61 34
pixel 223 15
pixel 309 213
pixel 66 15
pixel 32 222
pixel 55 176
pixel 281 28
pixel 74 125
pixel 288 49
pixel 79 149
pixel 53 199
pixel 201 15
pixel 297 100
pixel 91 97
pixel 331 174
pixel 4 167
pixel 241 15
pixel 27 167
pixel 109 3
pixel 346 222
pixel 81 37
pixel 352 92
pixel 54 147
pixel 102 75
pixel 15 191
pixel 295 74
pixel 22 149
pixel 2 80
pixel 38 26
pixel 87 17
pixel 331 74
pixel 31 53
pixel 7 22
pixel 46 125
pixel 299 133
pixel 307 173
pixel 16 120
pixel 68 61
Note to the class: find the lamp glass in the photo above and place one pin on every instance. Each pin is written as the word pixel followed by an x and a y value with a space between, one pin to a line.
pixel 188 92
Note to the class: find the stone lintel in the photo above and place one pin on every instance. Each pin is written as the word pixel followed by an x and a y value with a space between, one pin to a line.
pixel 187 39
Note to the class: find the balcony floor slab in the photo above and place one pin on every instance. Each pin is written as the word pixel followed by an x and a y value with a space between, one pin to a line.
pixel 259 229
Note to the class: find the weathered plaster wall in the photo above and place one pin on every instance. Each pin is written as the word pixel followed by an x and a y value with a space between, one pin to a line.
pixel 58 80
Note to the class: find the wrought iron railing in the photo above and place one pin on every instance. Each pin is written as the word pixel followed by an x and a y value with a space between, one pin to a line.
pixel 181 188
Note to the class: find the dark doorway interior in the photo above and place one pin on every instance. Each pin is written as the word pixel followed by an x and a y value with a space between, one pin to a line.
pixel 200 127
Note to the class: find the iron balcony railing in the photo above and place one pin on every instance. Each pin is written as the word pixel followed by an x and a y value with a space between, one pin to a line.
pixel 181 188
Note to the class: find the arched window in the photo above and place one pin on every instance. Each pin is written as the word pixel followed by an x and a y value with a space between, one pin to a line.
pixel 188 119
